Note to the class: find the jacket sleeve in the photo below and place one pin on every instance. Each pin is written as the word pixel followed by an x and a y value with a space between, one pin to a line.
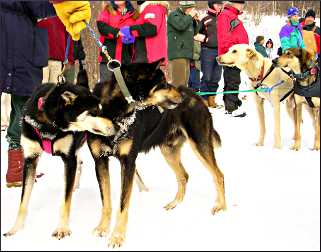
pixel 79 52
pixel 224 38
pixel 106 30
pixel 179 22
pixel 285 38
pixel 202 27
pixel 40 9
pixel 144 30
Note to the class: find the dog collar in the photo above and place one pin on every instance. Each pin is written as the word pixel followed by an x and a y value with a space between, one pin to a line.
pixel 260 77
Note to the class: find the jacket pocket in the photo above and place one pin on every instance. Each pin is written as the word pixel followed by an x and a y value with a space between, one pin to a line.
pixel 40 47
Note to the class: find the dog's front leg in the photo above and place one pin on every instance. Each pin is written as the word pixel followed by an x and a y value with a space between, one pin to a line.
pixel 316 123
pixel 70 162
pixel 297 127
pixel 260 110
pixel 32 151
pixel 102 174
pixel 277 128
pixel 127 177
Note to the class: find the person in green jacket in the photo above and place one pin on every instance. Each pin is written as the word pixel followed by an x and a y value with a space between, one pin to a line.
pixel 182 25
pixel 258 44
pixel 291 33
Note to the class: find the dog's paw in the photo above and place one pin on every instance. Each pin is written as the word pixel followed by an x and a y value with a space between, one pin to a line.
pixel 295 147
pixel 277 146
pixel 218 207
pixel 60 233
pixel 100 231
pixel 258 144
pixel 316 147
pixel 171 205
pixel 116 240
pixel 10 233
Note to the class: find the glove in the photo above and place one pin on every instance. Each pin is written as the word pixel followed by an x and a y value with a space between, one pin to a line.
pixel 73 14
pixel 127 38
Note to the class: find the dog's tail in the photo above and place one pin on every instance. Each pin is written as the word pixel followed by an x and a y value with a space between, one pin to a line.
pixel 82 76
pixel 217 143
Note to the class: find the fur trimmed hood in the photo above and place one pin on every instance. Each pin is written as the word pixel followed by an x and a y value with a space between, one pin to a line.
pixel 146 3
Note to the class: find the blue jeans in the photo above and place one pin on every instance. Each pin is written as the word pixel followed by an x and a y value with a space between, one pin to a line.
pixel 211 70
pixel 194 79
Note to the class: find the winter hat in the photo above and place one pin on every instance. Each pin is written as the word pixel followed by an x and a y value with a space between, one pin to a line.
pixel 310 13
pixel 140 2
pixel 187 4
pixel 241 2
pixel 292 11
pixel 211 2
pixel 259 39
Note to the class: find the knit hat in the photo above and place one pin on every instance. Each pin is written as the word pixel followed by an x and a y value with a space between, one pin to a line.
pixel 241 2
pixel 211 2
pixel 259 39
pixel 292 11
pixel 187 4
pixel 310 13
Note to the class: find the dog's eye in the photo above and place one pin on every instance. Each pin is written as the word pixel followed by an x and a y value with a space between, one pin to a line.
pixel 234 51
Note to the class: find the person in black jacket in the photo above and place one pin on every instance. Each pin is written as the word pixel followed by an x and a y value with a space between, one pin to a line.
pixel 211 70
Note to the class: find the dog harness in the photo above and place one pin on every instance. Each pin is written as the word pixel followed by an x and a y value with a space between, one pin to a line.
pixel 309 91
pixel 260 78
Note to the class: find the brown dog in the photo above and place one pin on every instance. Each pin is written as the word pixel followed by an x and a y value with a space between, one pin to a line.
pixel 256 67
pixel 301 61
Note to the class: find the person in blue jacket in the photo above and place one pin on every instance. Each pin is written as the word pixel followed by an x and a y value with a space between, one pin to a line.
pixel 291 33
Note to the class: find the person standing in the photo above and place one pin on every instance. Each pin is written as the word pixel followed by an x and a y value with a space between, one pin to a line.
pixel 211 70
pixel 24 52
pixel 57 43
pixel 182 25
pixel 230 31
pixel 291 33
pixel 311 33
pixel 259 46
pixel 194 81
pixel 155 12
pixel 269 48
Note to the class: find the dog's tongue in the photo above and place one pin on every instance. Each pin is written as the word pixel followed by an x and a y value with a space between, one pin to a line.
pixel 40 103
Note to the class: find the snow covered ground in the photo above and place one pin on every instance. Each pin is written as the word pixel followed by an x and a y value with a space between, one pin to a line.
pixel 273 196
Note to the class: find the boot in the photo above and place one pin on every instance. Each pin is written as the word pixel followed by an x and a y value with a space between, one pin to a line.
pixel 15 168
pixel 211 102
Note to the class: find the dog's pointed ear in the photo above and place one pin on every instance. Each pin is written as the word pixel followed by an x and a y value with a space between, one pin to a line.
pixel 251 53
pixel 68 97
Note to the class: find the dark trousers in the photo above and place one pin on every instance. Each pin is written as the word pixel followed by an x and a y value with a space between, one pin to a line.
pixel 211 70
pixel 194 79
pixel 14 129
pixel 232 81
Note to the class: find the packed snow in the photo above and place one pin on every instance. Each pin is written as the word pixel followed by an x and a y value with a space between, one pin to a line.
pixel 273 196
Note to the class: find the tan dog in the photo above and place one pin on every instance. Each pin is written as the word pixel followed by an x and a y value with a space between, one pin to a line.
pixel 257 68
pixel 301 61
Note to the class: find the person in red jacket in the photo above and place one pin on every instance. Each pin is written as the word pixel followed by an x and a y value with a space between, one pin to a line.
pixel 155 12
pixel 230 31
pixel 57 44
